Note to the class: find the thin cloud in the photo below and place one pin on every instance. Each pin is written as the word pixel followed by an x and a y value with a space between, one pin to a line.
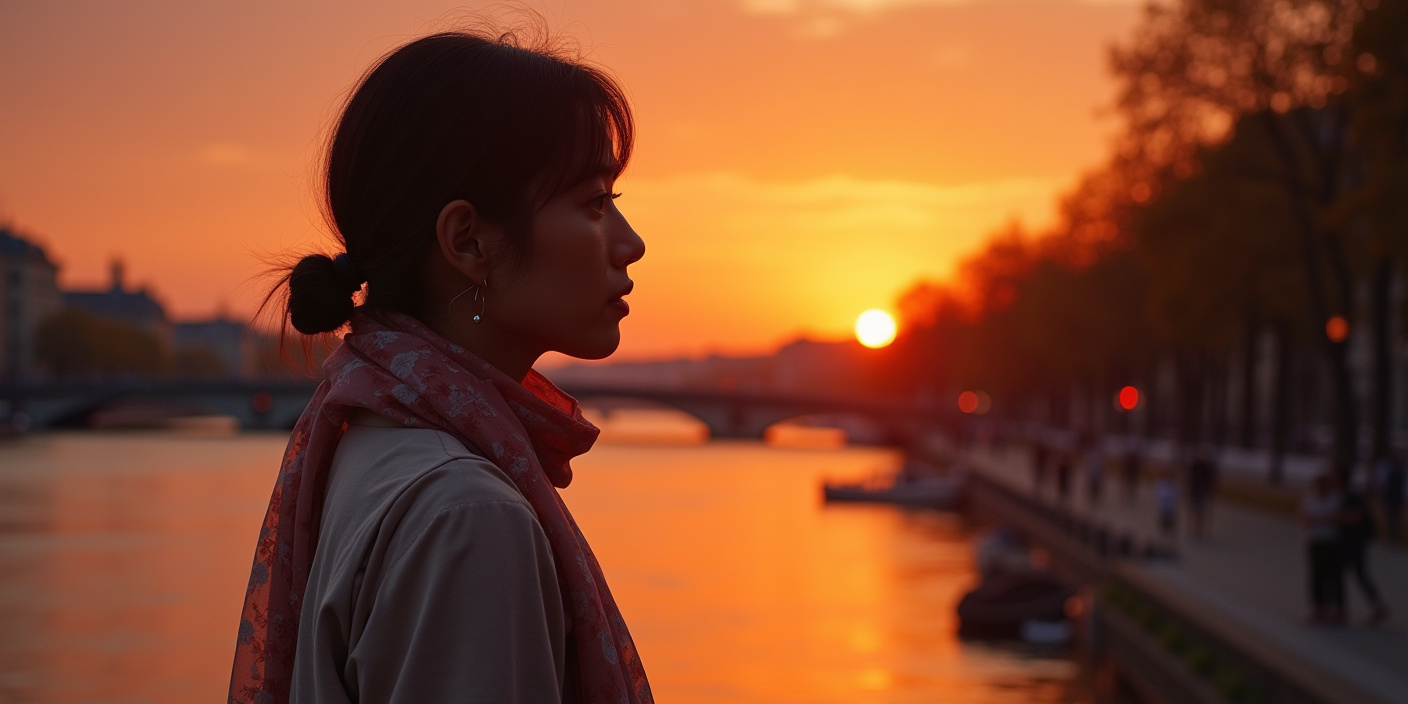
pixel 952 56
pixel 235 155
pixel 845 192
pixel 797 7
pixel 824 19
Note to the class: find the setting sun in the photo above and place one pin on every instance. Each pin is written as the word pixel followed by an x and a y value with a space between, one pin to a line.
pixel 875 328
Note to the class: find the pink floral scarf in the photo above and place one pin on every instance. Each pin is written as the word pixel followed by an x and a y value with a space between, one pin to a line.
pixel 398 368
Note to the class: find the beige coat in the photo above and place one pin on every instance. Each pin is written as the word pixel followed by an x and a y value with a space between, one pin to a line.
pixel 432 582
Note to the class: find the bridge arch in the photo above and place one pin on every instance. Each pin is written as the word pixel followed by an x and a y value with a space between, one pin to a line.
pixel 723 420
pixel 748 416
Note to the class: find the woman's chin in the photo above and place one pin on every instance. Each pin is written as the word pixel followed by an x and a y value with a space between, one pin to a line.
pixel 598 346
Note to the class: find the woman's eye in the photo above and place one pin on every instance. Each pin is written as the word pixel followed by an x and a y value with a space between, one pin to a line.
pixel 599 204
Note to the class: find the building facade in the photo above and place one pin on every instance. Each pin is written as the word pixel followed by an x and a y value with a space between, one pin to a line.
pixel 29 293
pixel 135 308
pixel 229 339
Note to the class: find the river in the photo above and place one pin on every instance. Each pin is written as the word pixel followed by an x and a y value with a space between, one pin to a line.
pixel 123 559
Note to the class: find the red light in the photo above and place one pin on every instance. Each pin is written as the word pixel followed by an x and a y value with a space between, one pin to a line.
pixel 263 402
pixel 1129 398
pixel 1337 328
pixel 968 402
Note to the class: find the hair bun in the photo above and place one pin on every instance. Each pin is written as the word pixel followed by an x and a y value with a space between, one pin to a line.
pixel 319 295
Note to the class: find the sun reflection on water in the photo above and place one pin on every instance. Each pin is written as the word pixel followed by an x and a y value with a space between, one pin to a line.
pixel 123 559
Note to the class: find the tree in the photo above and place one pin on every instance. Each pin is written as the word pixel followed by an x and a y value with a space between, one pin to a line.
pixel 198 362
pixel 1378 89
pixel 1257 184
pixel 1031 316
pixel 1197 68
pixel 72 342
pixel 1214 245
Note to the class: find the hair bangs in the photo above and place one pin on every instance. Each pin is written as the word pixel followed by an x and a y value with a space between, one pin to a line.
pixel 594 135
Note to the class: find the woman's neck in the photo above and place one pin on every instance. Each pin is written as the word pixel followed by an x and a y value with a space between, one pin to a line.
pixel 487 343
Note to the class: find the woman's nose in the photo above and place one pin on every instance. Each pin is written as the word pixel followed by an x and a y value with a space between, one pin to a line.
pixel 628 247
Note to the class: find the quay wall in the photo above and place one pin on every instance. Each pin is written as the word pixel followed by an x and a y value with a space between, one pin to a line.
pixel 1143 642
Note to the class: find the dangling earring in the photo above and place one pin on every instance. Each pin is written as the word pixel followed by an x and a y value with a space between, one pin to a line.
pixel 483 301
pixel 449 309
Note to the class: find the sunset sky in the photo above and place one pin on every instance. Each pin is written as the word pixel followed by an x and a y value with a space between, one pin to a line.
pixel 798 161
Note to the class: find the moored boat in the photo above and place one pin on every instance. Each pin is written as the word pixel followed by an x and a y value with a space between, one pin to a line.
pixel 928 491
pixel 1027 605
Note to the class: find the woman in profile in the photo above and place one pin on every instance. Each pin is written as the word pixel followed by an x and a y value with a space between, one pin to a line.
pixel 415 548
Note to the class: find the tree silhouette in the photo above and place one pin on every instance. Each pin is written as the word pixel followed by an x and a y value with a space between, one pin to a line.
pixel 1257 186
pixel 76 343
pixel 1196 69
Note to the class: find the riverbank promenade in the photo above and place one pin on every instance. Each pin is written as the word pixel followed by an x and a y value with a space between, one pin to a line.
pixel 1248 573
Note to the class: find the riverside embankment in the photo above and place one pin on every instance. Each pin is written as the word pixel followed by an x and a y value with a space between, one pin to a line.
pixel 1216 620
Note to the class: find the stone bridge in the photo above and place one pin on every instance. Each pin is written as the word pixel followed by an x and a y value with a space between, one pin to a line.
pixel 256 404
pixel 747 414
pixel 273 404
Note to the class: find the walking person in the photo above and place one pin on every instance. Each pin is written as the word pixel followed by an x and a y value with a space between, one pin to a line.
pixel 1356 531
pixel 416 548
pixel 1166 503
pixel 1320 512
pixel 1202 481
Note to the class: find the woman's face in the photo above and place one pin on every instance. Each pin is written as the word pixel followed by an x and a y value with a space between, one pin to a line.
pixel 568 296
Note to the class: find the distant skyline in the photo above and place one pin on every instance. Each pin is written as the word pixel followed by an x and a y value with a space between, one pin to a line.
pixel 798 161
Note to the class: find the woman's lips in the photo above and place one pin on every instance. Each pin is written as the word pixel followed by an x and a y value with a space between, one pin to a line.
pixel 620 301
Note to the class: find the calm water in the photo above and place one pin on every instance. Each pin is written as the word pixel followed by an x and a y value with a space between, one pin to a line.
pixel 123 559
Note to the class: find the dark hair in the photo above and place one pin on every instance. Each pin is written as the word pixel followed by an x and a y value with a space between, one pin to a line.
pixel 454 115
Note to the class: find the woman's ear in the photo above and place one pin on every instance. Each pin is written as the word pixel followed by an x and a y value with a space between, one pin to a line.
pixel 466 239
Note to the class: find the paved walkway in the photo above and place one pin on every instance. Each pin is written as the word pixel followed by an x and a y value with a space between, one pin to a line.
pixel 1250 568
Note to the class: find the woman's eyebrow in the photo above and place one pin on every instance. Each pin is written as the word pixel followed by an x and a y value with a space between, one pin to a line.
pixel 601 177
pixel 607 169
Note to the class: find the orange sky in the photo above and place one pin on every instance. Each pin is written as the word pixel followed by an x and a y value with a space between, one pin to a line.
pixel 798 161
